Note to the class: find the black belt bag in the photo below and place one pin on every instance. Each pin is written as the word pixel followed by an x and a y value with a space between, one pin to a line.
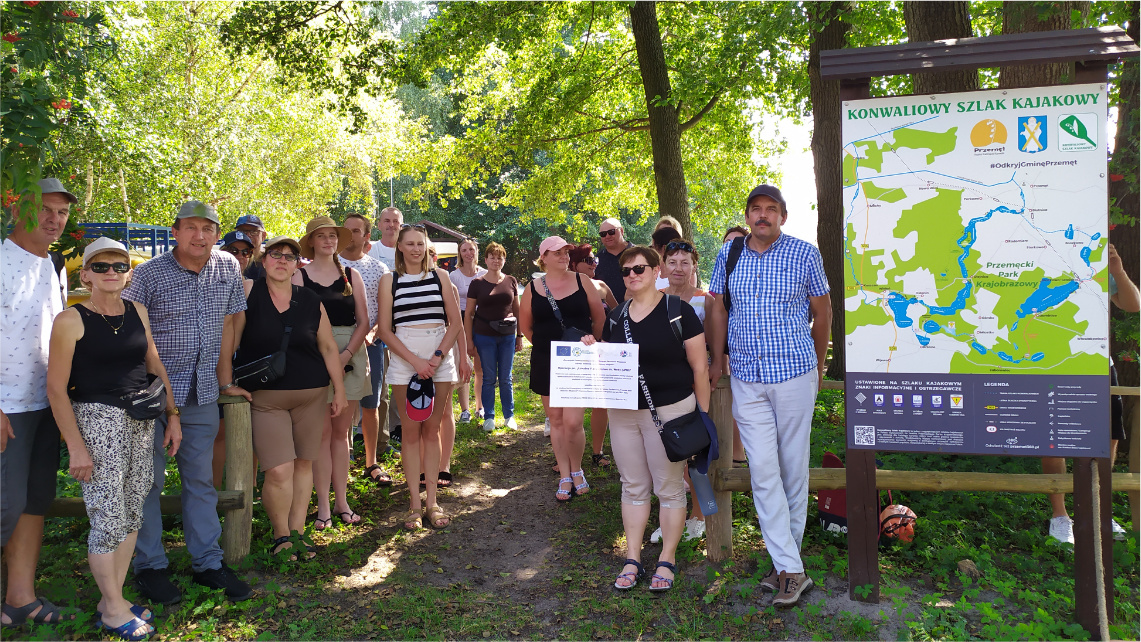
pixel 142 404
pixel 502 326
pixel 255 374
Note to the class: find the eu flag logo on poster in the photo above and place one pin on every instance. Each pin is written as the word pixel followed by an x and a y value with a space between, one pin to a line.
pixel 1032 134
pixel 562 351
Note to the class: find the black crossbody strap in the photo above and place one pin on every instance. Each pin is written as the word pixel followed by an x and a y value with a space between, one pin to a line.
pixel 287 318
pixel 551 300
pixel 641 379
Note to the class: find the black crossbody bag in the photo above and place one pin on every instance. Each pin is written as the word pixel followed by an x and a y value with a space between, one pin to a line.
pixel 569 334
pixel 686 435
pixel 259 372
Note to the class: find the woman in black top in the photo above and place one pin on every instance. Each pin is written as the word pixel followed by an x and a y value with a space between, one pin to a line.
pixel 100 350
pixel 675 372
pixel 342 292
pixel 289 415
pixel 580 308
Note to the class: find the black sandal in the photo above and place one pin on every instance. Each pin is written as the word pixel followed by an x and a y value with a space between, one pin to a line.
pixel 275 550
pixel 382 480
pixel 600 460
pixel 444 479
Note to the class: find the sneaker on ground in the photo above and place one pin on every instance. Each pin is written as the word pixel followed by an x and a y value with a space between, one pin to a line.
pixel 1062 529
pixel 155 585
pixel 465 417
pixel 1118 531
pixel 694 529
pixel 656 536
pixel 769 581
pixel 512 424
pixel 546 427
pixel 792 586
pixel 225 579
pixel 488 425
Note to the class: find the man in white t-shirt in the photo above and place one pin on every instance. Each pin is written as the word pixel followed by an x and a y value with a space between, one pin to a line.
pixel 30 299
pixel 374 408
pixel 389 224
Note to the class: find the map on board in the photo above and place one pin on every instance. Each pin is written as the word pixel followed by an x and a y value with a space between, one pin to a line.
pixel 976 232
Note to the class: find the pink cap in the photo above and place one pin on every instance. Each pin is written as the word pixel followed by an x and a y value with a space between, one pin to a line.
pixel 552 244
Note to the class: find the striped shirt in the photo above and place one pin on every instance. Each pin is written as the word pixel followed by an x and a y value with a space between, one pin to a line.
pixel 769 331
pixel 418 299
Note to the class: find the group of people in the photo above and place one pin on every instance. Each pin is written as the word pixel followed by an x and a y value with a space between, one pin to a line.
pixel 319 330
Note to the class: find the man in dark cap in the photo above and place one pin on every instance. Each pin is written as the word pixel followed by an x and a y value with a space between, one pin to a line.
pixel 771 301
pixel 252 227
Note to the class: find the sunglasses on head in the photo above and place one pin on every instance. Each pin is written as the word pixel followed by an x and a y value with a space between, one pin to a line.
pixel 415 226
pixel 636 269
pixel 279 255
pixel 235 251
pixel 684 246
pixel 590 260
pixel 100 267
pixel 606 233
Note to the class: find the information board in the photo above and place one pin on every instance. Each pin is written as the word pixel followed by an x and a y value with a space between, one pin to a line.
pixel 976 282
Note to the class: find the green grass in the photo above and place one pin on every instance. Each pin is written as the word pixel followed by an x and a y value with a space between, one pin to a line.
pixel 1026 590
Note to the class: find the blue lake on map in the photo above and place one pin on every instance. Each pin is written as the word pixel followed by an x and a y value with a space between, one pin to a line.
pixel 1046 297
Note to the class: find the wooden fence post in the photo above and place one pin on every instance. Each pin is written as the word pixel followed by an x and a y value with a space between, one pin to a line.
pixel 1133 424
pixel 719 526
pixel 239 477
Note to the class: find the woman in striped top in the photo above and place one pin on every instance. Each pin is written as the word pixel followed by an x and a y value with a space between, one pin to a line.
pixel 419 324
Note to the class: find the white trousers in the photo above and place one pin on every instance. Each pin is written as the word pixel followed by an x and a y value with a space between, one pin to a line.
pixel 775 420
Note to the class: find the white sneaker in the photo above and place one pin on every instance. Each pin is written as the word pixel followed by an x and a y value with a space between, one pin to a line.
pixel 656 536
pixel 547 428
pixel 1062 529
pixel 1118 531
pixel 694 529
pixel 465 417
pixel 511 423
pixel 488 425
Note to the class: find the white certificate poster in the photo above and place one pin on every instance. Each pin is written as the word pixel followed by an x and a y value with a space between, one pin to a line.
pixel 603 375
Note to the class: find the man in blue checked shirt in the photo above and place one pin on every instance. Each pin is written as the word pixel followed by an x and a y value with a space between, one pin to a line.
pixel 192 294
pixel 777 324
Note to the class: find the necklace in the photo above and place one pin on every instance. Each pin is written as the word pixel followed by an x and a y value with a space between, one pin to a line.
pixel 113 328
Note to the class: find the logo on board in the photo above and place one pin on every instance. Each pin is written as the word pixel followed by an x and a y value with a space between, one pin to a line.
pixel 1032 132
pixel 1077 133
pixel 988 137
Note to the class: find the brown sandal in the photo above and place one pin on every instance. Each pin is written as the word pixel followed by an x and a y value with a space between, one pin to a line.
pixel 435 515
pixel 412 520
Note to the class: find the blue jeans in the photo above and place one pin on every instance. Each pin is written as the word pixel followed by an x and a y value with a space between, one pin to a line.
pixel 201 527
pixel 496 356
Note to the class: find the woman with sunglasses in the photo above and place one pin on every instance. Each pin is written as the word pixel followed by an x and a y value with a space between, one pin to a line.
pixel 101 349
pixel 419 321
pixel 676 375
pixel 580 308
pixel 289 415
pixel 341 291
pixel 468 270
pixel 493 303
pixel 584 262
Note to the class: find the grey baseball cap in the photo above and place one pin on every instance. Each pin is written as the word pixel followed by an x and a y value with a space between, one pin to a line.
pixel 198 209
pixel 766 190
pixel 53 186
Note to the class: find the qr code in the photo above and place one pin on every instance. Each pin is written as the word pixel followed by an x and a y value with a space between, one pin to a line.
pixel 865 435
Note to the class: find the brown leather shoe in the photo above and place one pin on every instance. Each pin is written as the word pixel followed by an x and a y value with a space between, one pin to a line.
pixel 792 585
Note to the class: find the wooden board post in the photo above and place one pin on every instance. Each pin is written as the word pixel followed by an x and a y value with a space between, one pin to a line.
pixel 1133 424
pixel 237 527
pixel 1085 584
pixel 719 526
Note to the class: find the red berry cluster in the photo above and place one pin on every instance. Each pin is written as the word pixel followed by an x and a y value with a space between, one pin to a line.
pixel 11 37
pixel 62 103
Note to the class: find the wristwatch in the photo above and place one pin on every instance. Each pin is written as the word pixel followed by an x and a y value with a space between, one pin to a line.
pixel 437 353
pixel 173 412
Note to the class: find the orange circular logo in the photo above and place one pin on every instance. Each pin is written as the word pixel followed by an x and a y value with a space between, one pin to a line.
pixel 988 132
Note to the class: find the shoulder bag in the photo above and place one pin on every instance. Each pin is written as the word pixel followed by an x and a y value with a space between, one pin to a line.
pixel 686 435
pixel 259 372
pixel 569 334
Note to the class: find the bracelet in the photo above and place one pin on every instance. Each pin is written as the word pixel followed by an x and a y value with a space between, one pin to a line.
pixel 227 387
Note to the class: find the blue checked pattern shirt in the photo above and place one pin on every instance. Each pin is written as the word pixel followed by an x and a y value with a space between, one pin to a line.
pixel 186 311
pixel 769 333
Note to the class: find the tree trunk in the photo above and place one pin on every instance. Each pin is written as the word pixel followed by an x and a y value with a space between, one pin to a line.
pixel 927 21
pixel 665 133
pixel 829 32
pixel 1124 194
pixel 1025 17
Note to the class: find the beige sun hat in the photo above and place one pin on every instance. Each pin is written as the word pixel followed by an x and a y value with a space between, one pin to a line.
pixel 320 223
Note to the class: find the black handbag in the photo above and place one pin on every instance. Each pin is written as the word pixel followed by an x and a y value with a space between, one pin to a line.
pixel 684 436
pixel 148 403
pixel 569 334
pixel 255 374
pixel 502 326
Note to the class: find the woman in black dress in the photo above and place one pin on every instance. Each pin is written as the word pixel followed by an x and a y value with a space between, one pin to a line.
pixel 581 309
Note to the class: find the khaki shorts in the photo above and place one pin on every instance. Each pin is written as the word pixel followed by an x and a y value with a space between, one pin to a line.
pixel 423 343
pixel 287 425
pixel 358 383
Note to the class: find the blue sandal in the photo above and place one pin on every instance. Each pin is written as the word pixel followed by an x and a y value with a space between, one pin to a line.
pixel 668 580
pixel 633 575
pixel 564 496
pixel 583 488
pixel 136 609
pixel 129 630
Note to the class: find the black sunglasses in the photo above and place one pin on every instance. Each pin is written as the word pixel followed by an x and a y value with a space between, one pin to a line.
pixel 414 226
pixel 278 254
pixel 100 267
pixel 636 269
pixel 235 251
pixel 606 233
pixel 684 246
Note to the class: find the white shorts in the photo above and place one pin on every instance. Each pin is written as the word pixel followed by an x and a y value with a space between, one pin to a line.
pixel 423 343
